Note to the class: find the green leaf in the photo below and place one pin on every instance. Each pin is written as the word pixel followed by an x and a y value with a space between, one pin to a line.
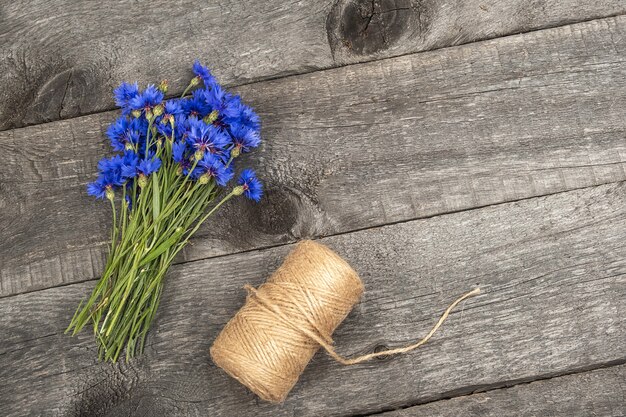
pixel 156 197
pixel 161 248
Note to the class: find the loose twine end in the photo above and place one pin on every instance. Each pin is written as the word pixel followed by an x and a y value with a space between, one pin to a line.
pixel 359 359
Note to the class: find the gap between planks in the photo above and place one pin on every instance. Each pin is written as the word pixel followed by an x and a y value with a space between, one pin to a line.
pixel 501 386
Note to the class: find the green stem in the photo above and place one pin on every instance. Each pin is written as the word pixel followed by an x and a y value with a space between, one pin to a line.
pixel 145 239
pixel 206 216
pixel 191 84
pixel 114 231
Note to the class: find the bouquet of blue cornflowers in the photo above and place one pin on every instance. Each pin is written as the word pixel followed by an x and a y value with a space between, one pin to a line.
pixel 173 168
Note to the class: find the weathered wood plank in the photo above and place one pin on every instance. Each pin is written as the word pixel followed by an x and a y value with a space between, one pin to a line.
pixel 553 272
pixel 62 58
pixel 353 147
pixel 595 393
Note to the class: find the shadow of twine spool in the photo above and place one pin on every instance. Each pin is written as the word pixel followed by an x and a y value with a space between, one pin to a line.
pixel 272 338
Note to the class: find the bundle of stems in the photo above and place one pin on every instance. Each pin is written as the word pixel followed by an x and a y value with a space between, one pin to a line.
pixel 144 243
pixel 161 191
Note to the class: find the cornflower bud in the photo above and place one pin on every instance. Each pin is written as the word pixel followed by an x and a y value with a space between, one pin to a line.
pixel 149 114
pixel 204 178
pixel 198 154
pixel 179 170
pixel 194 81
pixel 158 110
pixel 129 146
pixel 110 194
pixel 235 152
pixel 211 117
pixel 238 190
pixel 136 113
pixel 163 86
pixel 142 181
pixel 172 122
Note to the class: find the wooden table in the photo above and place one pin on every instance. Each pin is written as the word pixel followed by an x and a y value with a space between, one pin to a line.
pixel 437 145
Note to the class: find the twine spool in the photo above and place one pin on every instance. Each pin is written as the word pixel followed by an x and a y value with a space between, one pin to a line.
pixel 283 323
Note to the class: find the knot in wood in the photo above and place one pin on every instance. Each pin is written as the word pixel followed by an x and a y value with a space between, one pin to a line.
pixel 364 27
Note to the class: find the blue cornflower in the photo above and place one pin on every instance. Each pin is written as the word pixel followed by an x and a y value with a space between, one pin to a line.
pixel 149 165
pixel 225 104
pixel 111 170
pixel 147 99
pixel 252 187
pixel 110 177
pixel 124 94
pixel 100 188
pixel 225 155
pixel 185 167
pixel 117 133
pixel 196 105
pixel 250 118
pixel 203 138
pixel 243 138
pixel 204 74
pixel 172 108
pixel 165 128
pixel 142 168
pixel 179 148
pixel 212 167
pixel 245 116
pixel 125 133
pixel 129 164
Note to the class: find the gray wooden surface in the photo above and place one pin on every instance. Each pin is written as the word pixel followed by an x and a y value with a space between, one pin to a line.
pixel 354 147
pixel 594 393
pixel 497 163
pixel 62 58
pixel 552 269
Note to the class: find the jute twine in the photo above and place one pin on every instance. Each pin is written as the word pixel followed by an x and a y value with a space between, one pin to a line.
pixel 272 338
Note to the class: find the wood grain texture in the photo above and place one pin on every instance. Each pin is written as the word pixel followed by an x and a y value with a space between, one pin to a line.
pixel 62 58
pixel 552 270
pixel 352 148
pixel 595 393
